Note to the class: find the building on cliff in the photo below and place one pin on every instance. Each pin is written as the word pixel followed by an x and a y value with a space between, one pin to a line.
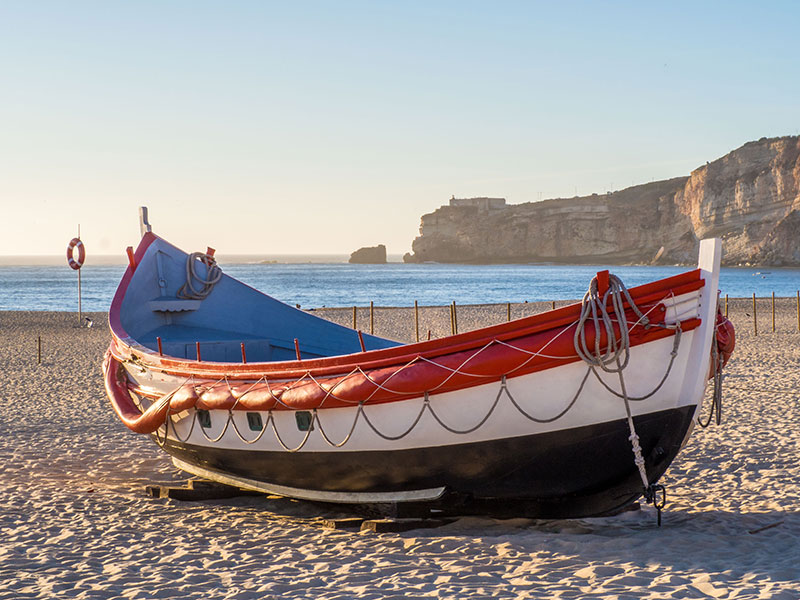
pixel 749 197
pixel 482 204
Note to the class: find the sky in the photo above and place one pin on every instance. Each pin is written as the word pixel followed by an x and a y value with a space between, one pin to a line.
pixel 320 127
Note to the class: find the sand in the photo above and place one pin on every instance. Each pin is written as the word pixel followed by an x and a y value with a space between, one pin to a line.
pixel 75 521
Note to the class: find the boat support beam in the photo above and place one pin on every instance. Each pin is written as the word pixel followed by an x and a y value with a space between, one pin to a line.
pixel 316 495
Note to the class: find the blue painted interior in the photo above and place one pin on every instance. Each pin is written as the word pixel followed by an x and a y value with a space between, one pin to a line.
pixel 231 314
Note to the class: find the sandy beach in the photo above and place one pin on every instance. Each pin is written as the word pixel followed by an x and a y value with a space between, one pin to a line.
pixel 75 521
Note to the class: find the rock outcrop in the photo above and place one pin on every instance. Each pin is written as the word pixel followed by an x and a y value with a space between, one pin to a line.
pixel 373 255
pixel 750 198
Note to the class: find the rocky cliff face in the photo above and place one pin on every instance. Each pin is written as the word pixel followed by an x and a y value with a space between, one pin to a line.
pixel 750 198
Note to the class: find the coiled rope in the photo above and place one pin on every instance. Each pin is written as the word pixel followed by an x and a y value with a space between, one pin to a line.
pixel 206 282
pixel 616 352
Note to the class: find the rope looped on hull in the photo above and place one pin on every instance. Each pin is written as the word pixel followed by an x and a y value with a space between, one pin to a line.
pixel 206 282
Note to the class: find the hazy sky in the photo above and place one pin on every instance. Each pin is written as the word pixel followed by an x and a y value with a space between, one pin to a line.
pixel 320 127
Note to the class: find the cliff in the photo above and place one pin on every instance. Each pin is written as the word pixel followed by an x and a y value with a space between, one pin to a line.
pixel 750 198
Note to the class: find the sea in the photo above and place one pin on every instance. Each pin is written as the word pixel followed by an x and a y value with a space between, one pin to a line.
pixel 332 282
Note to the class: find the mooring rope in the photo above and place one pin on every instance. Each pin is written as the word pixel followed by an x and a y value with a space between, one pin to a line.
pixel 716 398
pixel 614 357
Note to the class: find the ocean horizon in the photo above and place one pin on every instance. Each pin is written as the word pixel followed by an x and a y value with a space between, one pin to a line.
pixel 308 284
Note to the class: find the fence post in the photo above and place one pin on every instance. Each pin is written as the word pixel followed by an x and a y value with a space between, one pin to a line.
pixel 773 312
pixel 416 319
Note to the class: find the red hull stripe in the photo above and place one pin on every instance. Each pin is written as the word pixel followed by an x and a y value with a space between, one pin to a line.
pixel 449 373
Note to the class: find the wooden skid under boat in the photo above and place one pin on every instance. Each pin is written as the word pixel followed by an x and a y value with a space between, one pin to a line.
pixel 245 390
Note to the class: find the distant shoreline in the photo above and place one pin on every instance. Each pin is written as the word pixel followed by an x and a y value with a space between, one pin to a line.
pixel 112 260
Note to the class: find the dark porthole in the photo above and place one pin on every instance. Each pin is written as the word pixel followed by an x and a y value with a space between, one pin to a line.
pixel 204 418
pixel 254 421
pixel 305 421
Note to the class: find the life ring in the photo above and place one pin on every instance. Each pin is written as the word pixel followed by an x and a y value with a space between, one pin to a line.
pixel 76 243
pixel 725 340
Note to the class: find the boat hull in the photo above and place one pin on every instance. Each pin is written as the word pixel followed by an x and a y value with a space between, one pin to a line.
pixel 532 410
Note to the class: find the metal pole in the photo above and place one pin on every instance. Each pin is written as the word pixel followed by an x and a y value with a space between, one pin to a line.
pixel 80 308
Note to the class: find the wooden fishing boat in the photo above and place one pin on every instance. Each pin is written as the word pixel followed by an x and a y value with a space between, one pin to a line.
pixel 578 411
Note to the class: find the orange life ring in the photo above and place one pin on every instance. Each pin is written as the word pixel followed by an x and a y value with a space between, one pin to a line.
pixel 76 243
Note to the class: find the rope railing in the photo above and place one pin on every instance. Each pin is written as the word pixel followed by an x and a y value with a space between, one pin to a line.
pixel 361 414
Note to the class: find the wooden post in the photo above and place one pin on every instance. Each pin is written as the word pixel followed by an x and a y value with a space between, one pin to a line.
pixel 354 318
pixel 798 310
pixel 755 320
pixel 297 349
pixel 508 311
pixel 39 344
pixel 453 318
pixel 371 318
pixel 416 319
pixel 244 355
pixel 554 304
pixel 773 312
pixel 197 347
pixel 726 306
pixel 160 349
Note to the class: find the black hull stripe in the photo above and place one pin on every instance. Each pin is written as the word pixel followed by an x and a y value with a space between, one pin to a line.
pixel 582 471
